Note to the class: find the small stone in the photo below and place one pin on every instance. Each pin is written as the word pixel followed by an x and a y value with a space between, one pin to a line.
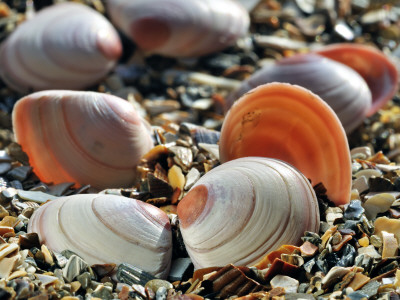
pixel 368 173
pixel 212 149
pixel 355 195
pixel 129 274
pixel 4 167
pixel 176 178
pixel 380 184
pixel 7 265
pixel 376 241
pixel 161 293
pixel 361 153
pixel 348 256
pixel 288 283
pixel 360 184
pixel 48 258
pixel 20 173
pixel 354 210
pixel 85 280
pixel 17 274
pixel 358 281
pixel 38 197
pixel 155 284
pixel 179 268
pixel 369 250
pixel 308 249
pixel 59 189
pixel 192 176
pixel 334 275
pixel 357 296
pixel 102 292
pixel 332 214
pixel 61 260
pixel 46 279
pixel 371 288
pixel 390 245
pixel 75 266
pixel 388 225
pixel 378 204
pixel 364 241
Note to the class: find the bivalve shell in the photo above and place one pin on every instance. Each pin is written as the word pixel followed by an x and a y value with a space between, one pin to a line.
pixel 180 28
pixel 65 46
pixel 290 123
pixel 81 137
pixel 241 210
pixel 341 87
pixel 107 229
pixel 373 65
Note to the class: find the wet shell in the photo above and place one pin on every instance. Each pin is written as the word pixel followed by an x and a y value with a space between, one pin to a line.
pixel 373 65
pixel 241 210
pixel 82 137
pixel 107 229
pixel 65 46
pixel 290 123
pixel 341 87
pixel 180 28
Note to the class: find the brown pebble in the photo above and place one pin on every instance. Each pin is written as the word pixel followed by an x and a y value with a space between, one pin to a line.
pixel 308 249
pixel 343 242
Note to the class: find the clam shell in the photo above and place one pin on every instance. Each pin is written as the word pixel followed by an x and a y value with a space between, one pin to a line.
pixel 107 229
pixel 241 210
pixel 82 137
pixel 65 46
pixel 180 28
pixel 290 123
pixel 341 87
pixel 374 66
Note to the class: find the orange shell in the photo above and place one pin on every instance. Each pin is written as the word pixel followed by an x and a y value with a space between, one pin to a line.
pixel 374 66
pixel 288 122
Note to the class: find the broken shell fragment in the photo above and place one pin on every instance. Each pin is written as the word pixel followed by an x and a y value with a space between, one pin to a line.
pixel 107 229
pixel 243 209
pixel 344 90
pixel 82 137
pixel 180 28
pixel 290 123
pixel 372 64
pixel 65 46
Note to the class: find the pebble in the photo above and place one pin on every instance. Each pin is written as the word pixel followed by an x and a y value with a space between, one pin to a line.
pixel 334 275
pixel 4 167
pixel 380 184
pixel 180 268
pixel 20 173
pixel 191 177
pixel 74 267
pixel 288 283
pixel 360 184
pixel 35 196
pixel 370 251
pixel 379 203
pixel 354 210
pixel 361 153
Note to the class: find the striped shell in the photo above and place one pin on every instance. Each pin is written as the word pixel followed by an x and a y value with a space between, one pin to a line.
pixel 341 87
pixel 374 66
pixel 290 123
pixel 107 229
pixel 180 28
pixel 243 209
pixel 82 137
pixel 65 46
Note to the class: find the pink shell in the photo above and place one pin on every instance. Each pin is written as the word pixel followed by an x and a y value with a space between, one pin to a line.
pixel 180 28
pixel 374 66
pixel 342 88
pixel 65 46
pixel 82 137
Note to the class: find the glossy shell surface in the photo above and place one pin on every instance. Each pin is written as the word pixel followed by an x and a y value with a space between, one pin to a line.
pixel 65 46
pixel 239 211
pixel 373 65
pixel 341 87
pixel 107 229
pixel 81 137
pixel 290 123
pixel 180 28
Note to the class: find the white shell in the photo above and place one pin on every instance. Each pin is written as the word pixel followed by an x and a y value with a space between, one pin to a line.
pixel 107 229
pixel 239 211
pixel 180 28
pixel 65 46
pixel 81 137
pixel 341 87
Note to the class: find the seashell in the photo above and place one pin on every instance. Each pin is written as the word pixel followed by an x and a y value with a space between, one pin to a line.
pixel 180 28
pixel 243 209
pixel 107 229
pixel 65 46
pixel 82 137
pixel 290 123
pixel 338 85
pixel 375 67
